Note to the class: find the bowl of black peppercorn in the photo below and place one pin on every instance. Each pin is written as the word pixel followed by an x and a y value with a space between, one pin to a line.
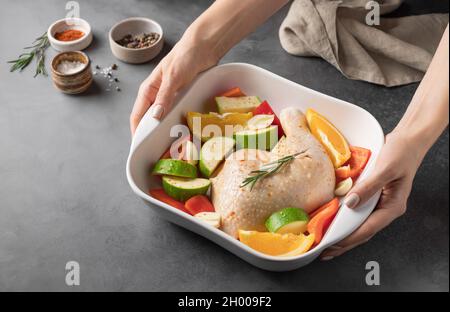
pixel 136 40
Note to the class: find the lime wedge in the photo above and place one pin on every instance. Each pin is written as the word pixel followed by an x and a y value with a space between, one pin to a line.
pixel 182 189
pixel 288 220
pixel 175 167
pixel 241 104
pixel 263 139
pixel 213 153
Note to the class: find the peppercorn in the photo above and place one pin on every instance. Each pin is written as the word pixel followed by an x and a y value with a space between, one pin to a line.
pixel 143 40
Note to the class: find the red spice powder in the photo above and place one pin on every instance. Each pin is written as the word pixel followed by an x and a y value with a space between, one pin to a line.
pixel 69 35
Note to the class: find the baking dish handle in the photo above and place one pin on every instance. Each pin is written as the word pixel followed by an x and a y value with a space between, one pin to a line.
pixel 347 221
pixel 145 127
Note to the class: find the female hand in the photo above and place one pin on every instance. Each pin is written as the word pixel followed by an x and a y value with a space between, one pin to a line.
pixel 187 59
pixel 400 157
pixel 393 174
pixel 210 36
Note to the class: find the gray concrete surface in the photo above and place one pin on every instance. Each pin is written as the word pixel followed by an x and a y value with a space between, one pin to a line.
pixel 64 196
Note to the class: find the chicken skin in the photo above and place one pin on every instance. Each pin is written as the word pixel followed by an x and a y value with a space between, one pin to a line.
pixel 306 182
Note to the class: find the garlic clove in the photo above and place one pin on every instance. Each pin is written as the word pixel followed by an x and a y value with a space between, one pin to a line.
pixel 343 187
pixel 260 122
pixel 211 218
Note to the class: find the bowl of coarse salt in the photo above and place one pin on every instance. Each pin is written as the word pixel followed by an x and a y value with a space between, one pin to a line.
pixel 71 72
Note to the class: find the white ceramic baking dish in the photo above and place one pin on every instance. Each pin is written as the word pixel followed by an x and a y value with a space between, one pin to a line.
pixel 152 138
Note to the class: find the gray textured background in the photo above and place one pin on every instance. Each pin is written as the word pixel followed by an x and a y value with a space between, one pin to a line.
pixel 64 196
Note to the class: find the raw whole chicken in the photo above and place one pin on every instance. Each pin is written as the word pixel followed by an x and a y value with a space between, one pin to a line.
pixel 306 182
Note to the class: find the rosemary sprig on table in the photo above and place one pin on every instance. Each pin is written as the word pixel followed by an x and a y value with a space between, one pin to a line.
pixel 37 50
pixel 268 169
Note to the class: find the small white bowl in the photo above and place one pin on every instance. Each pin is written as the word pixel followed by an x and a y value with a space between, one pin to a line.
pixel 70 23
pixel 135 26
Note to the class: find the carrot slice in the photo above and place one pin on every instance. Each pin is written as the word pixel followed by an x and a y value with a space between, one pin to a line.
pixel 160 195
pixel 199 203
pixel 234 92
pixel 321 219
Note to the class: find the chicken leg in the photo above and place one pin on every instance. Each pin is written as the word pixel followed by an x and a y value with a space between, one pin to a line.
pixel 306 182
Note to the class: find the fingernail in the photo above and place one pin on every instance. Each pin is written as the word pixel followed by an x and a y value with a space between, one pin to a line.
pixel 352 200
pixel 157 111
pixel 327 258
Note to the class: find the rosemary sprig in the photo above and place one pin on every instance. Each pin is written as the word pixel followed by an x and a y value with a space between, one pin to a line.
pixel 37 51
pixel 268 169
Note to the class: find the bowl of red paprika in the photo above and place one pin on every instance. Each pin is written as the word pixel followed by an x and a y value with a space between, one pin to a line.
pixel 70 34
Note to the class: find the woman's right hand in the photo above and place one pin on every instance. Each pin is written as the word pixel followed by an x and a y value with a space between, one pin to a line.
pixel 188 58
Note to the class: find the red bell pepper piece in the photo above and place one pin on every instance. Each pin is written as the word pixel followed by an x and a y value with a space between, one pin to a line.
pixel 355 165
pixel 199 203
pixel 321 219
pixel 234 92
pixel 265 109
pixel 160 195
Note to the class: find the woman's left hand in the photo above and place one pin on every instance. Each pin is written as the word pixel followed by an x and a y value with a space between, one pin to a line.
pixel 393 174
pixel 401 155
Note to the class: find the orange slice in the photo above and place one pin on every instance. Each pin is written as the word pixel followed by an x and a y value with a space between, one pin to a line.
pixel 283 245
pixel 330 137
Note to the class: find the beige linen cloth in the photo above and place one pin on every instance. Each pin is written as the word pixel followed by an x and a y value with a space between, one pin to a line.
pixel 396 52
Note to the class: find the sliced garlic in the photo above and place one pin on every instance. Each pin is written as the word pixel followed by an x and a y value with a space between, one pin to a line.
pixel 343 187
pixel 260 122
pixel 211 218
pixel 344 168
